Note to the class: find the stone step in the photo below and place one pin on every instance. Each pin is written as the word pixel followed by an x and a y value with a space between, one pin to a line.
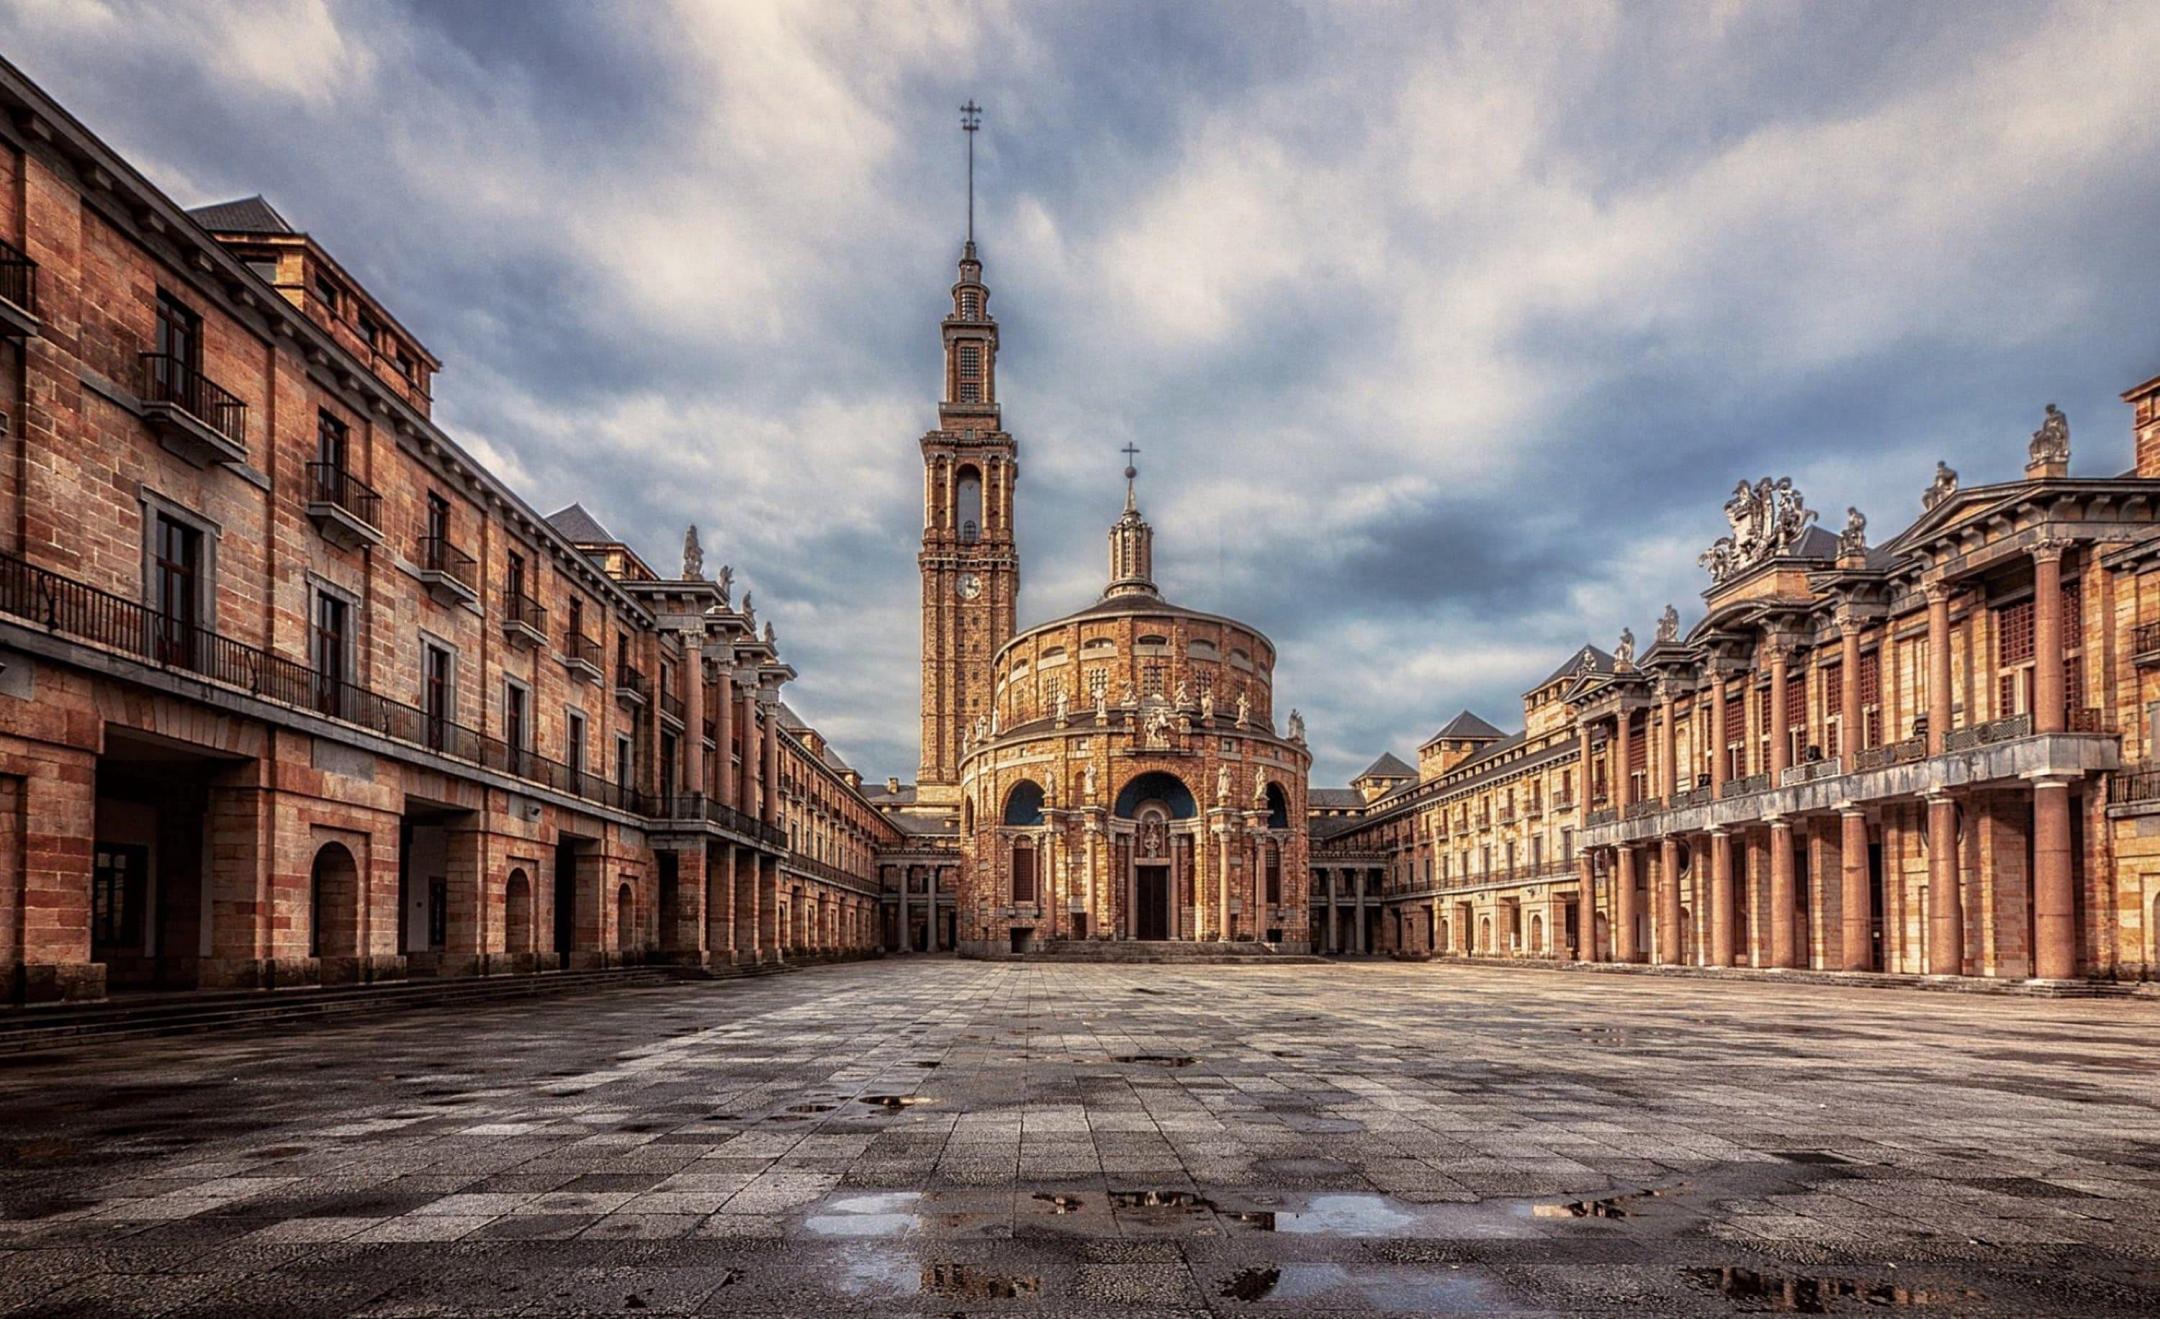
pixel 1157 952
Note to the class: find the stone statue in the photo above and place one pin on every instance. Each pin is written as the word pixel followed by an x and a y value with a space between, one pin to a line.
pixel 772 638
pixel 1244 708
pixel 1297 727
pixel 1668 626
pixel 1852 542
pixel 1158 726
pixel 1767 519
pixel 1259 791
pixel 1102 706
pixel 1183 697
pixel 1132 696
pixel 1087 782
pixel 727 581
pixel 1207 704
pixel 997 718
pixel 1050 793
pixel 749 610
pixel 1624 653
pixel 1064 704
pixel 1944 485
pixel 2051 443
pixel 1222 785
pixel 693 556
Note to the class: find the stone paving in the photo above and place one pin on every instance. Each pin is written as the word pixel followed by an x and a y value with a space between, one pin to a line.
pixel 933 1136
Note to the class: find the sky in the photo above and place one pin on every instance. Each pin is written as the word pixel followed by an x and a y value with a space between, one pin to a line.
pixel 1443 330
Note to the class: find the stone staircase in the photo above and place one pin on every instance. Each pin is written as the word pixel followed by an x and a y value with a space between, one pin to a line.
pixel 1127 952
pixel 184 1012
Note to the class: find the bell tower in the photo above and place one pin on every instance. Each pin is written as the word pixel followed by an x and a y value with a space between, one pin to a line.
pixel 970 565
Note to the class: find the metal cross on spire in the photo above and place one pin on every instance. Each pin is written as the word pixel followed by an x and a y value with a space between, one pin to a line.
pixel 1130 451
pixel 970 123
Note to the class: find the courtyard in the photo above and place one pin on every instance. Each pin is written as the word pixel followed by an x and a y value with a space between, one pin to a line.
pixel 938 1136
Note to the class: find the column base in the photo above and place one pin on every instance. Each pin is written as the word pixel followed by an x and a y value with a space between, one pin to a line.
pixel 258 972
pixel 56 982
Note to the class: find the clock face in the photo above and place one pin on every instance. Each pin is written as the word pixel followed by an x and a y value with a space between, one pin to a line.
pixel 969 586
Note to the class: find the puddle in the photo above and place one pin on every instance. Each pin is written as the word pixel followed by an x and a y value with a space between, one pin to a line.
pixel 1249 1285
pixel 966 1282
pixel 1159 1059
pixel 1187 1200
pixel 894 1102
pixel 1061 1204
pixel 1410 1288
pixel 881 1214
pixel 810 1108
pixel 1813 1157
pixel 1613 1206
pixel 926 1066
pixel 1147 991
pixel 1799 1294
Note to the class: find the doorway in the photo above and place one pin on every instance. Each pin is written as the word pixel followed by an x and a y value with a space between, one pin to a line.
pixel 1152 884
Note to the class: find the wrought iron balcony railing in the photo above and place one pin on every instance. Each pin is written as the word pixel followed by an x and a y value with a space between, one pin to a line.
pixel 331 484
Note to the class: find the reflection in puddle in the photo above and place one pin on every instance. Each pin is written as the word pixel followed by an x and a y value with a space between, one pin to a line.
pixel 894 1101
pixel 1806 1295
pixel 881 1214
pixel 1249 1284
pixel 1406 1287
pixel 1159 1059
pixel 1186 1200
pixel 965 1282
pixel 1061 1204
pixel 1615 1206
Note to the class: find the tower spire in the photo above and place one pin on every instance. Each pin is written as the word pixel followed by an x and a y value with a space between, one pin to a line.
pixel 970 124
pixel 1132 542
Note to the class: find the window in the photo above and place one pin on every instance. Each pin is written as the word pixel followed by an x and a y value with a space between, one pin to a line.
pixel 405 365
pixel 516 734
pixel 667 765
pixel 326 289
pixel 119 883
pixel 1870 700
pixel 970 305
pixel 1023 873
pixel 369 330
pixel 438 530
pixel 332 647
pixel 332 442
pixel 625 760
pixel 970 373
pixel 514 578
pixel 574 740
pixel 177 589
pixel 179 339
pixel 265 268
pixel 436 694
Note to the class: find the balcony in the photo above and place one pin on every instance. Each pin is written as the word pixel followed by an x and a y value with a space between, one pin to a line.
pixel 18 294
pixel 2145 645
pixel 671 707
pixel 450 574
pixel 685 806
pixel 344 508
pixel 1895 753
pixel 1980 735
pixel 1808 771
pixel 2135 784
pixel 192 414
pixel 524 621
pixel 581 655
pixel 1639 809
pixel 85 614
pixel 1747 784
pixel 632 689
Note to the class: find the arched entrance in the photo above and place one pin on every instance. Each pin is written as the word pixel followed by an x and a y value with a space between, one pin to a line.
pixel 518 912
pixel 625 919
pixel 1537 935
pixel 1160 852
pixel 334 913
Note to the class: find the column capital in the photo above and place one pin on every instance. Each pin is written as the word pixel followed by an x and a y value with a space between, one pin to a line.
pixel 1851 809
pixel 2043 780
pixel 2050 549
pixel 1938 592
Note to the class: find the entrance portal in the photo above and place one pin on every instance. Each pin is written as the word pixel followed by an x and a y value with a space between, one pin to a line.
pixel 1152 902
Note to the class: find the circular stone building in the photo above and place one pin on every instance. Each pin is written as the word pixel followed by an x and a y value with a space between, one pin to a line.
pixel 1128 782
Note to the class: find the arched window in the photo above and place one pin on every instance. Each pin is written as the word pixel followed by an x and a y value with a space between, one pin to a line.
pixel 517 913
pixel 970 510
pixel 625 919
pixel 1278 806
pixel 1023 871
pixel 1156 786
pixel 334 903
pixel 1024 804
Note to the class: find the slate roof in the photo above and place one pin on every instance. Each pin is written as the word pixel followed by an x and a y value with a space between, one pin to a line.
pixel 1600 662
pixel 579 526
pixel 1467 725
pixel 247 215
pixel 918 822
pixel 1389 766
pixel 1334 798
pixel 879 796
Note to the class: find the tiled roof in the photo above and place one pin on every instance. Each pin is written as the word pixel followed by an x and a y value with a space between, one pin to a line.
pixel 1334 798
pixel 1388 766
pixel 579 526
pixel 248 215
pixel 917 822
pixel 1600 662
pixel 1466 725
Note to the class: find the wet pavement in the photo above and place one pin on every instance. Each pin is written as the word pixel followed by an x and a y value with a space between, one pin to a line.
pixel 941 1137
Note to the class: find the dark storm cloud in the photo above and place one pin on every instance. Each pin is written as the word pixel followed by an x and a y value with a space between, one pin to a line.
pixel 1444 329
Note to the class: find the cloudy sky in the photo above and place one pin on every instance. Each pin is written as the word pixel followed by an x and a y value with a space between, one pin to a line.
pixel 1444 330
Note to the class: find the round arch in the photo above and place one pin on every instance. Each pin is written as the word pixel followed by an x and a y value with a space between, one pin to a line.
pixel 1024 804
pixel 1484 934
pixel 1278 806
pixel 968 496
pixel 1160 786
pixel 625 919
pixel 1537 933
pixel 334 903
pixel 518 912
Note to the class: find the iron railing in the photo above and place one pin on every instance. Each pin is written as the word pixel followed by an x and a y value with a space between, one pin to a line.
pixel 524 611
pixel 85 613
pixel 2145 639
pixel 2137 782
pixel 698 806
pixel 583 649
pixel 1980 735
pixel 1741 787
pixel 803 861
pixel 1649 806
pixel 2086 719
pixel 671 705
pixel 331 484
pixel 18 277
pixel 629 679
pixel 173 380
pixel 438 555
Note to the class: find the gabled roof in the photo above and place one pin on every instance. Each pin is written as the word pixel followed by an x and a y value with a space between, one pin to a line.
pixel 1389 766
pixel 247 215
pixel 1599 662
pixel 579 526
pixel 1467 727
pixel 1334 798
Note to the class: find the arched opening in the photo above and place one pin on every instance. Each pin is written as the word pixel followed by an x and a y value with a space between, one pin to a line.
pixel 518 913
pixel 1687 936
pixel 625 919
pixel 1024 805
pixel 1537 934
pixel 1278 807
pixel 334 911
pixel 1023 872
pixel 1159 787
pixel 1484 934
pixel 1445 943
pixel 967 815
pixel 969 512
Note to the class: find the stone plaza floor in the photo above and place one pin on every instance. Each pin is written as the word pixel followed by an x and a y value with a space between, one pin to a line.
pixel 934 1136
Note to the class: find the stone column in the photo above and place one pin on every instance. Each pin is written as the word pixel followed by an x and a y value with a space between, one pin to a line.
pixel 1358 920
pixel 2054 896
pixel 1857 929
pixel 769 766
pixel 1938 640
pixel 1624 754
pixel 930 936
pixel 746 781
pixel 1851 735
pixel 1780 721
pixel 907 909
pixel 1783 936
pixel 1721 944
pixel 1624 949
pixel 749 918
pixel 1098 910
pixel 774 939
pixel 1946 901
pixel 1668 743
pixel 724 734
pixel 720 903
pixel 1334 929
pixel 2048 695
pixel 1668 903
pixel 1582 773
pixel 693 643
pixel 1757 952
pixel 1719 734
pixel 1586 904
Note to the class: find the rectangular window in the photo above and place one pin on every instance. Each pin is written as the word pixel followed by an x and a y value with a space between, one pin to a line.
pixel 970 372
pixel 1023 874
pixel 327 290
pixel 332 647
pixel 574 741
pixel 119 886
pixel 332 442
pixel 177 590
pixel 516 734
pixel 667 765
pixel 514 578
pixel 369 330
pixel 625 761
pixel 435 695
pixel 1870 700
pixel 179 338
